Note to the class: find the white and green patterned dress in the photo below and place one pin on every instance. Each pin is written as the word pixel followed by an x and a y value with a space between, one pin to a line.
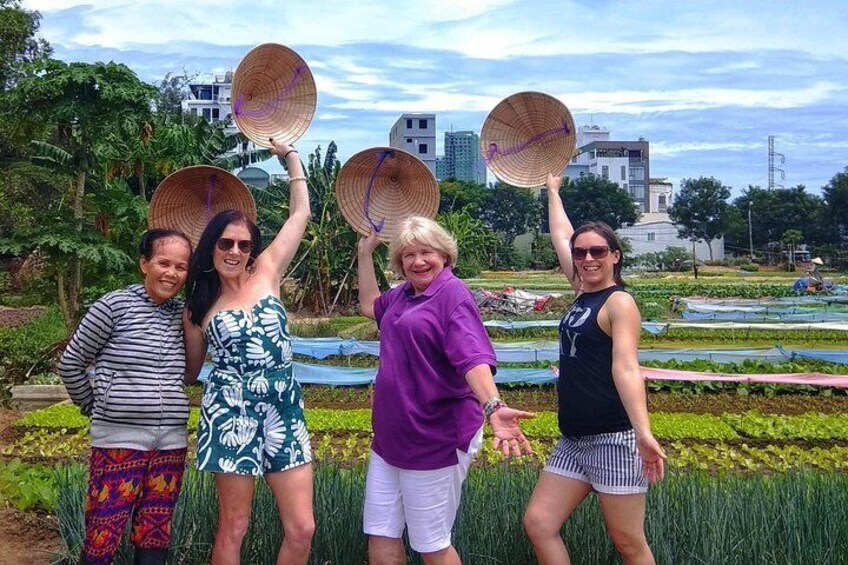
pixel 251 418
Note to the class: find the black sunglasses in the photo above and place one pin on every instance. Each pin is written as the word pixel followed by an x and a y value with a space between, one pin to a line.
pixel 596 251
pixel 244 245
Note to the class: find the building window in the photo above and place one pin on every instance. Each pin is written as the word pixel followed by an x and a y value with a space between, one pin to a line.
pixel 605 171
pixel 409 123
pixel 422 124
pixel 216 114
pixel 623 172
pixel 652 236
pixel 422 148
pixel 194 111
pixel 207 113
pixel 409 140
pixel 662 199
pixel 637 173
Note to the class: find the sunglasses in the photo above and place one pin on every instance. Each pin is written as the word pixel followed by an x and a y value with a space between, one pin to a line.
pixel 596 251
pixel 244 245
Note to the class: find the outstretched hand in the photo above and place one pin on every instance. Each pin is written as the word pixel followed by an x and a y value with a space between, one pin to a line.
pixel 509 439
pixel 369 243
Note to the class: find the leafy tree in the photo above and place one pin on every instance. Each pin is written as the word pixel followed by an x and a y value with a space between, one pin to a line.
pixel 700 210
pixel 592 198
pixel 458 195
pixel 511 211
pixel 18 45
pixel 83 103
pixel 792 238
pixel 836 197
pixel 775 211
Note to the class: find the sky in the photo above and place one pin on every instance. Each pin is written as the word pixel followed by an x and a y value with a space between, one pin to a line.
pixel 705 83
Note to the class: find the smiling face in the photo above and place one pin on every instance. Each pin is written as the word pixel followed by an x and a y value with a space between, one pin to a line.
pixel 232 261
pixel 596 273
pixel 166 271
pixel 421 265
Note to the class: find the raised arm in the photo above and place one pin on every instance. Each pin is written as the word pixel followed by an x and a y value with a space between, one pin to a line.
pixel 625 327
pixel 369 292
pixel 195 348
pixel 274 261
pixel 561 229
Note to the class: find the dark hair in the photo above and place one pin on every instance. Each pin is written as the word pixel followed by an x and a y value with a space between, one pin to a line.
pixel 203 285
pixel 150 239
pixel 606 232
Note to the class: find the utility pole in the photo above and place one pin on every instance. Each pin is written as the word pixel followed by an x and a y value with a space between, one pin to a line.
pixel 750 231
pixel 771 166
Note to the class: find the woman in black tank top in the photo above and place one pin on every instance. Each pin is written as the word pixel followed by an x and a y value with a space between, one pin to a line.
pixel 607 444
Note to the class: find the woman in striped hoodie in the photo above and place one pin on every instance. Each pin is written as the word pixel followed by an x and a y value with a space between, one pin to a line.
pixel 133 338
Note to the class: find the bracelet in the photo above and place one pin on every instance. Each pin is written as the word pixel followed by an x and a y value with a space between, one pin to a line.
pixel 290 151
pixel 292 179
pixel 282 159
pixel 492 405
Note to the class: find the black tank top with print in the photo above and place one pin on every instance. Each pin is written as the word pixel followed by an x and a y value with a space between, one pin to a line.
pixel 588 400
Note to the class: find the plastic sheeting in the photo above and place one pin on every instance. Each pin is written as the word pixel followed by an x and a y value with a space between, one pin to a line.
pixel 773 316
pixel 353 376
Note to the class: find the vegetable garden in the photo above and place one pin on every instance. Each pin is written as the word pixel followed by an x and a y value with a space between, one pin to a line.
pixel 757 472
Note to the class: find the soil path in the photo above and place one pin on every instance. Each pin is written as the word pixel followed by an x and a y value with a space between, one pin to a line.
pixel 26 538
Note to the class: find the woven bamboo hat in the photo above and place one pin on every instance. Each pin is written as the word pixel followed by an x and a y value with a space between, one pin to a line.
pixel 273 95
pixel 527 136
pixel 379 187
pixel 187 199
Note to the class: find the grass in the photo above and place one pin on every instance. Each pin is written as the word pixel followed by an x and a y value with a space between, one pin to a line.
pixel 692 518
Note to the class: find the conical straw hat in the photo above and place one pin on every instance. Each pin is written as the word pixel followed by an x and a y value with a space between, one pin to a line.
pixel 379 187
pixel 527 136
pixel 273 95
pixel 187 199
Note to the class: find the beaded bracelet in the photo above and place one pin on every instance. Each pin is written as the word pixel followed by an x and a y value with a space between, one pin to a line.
pixel 492 405
pixel 297 178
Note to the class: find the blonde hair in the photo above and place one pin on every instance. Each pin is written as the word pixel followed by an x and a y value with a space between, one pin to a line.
pixel 423 231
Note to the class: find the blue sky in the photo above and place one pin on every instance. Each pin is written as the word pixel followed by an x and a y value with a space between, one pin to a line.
pixel 705 82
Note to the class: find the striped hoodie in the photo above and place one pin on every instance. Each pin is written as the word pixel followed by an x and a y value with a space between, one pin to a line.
pixel 135 397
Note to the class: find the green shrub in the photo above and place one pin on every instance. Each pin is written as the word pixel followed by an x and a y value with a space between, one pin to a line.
pixel 28 349
pixel 27 486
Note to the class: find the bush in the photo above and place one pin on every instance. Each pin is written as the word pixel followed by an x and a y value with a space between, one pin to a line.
pixel 750 267
pixel 28 350
pixel 663 260
pixel 543 254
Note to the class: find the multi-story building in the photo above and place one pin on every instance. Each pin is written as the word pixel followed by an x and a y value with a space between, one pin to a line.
pixel 462 159
pixel 659 194
pixel 211 99
pixel 416 134
pixel 626 163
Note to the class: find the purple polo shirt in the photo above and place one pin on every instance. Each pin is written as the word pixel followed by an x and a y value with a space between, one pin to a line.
pixel 424 409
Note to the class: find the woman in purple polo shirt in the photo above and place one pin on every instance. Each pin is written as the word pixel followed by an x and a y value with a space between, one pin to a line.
pixel 433 388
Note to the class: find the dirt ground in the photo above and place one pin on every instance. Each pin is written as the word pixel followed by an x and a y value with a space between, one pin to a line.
pixel 26 538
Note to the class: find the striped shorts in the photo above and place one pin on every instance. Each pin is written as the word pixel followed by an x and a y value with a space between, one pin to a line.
pixel 609 462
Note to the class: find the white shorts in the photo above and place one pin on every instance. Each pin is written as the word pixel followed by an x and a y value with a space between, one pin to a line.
pixel 424 501
pixel 609 462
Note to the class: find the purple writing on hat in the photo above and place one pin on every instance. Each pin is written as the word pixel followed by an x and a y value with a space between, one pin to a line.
pixel 495 151
pixel 382 156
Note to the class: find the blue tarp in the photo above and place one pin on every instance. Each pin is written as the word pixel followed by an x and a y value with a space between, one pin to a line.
pixel 773 316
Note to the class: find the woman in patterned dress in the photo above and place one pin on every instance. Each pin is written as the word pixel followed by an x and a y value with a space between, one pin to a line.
pixel 252 413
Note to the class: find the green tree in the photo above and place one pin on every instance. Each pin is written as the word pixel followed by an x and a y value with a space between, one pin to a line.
pixel 82 103
pixel 458 195
pixel 18 45
pixel 836 198
pixel 792 238
pixel 700 210
pixel 775 211
pixel 511 211
pixel 592 198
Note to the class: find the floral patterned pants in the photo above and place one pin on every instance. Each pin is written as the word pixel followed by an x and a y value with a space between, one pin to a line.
pixel 128 483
